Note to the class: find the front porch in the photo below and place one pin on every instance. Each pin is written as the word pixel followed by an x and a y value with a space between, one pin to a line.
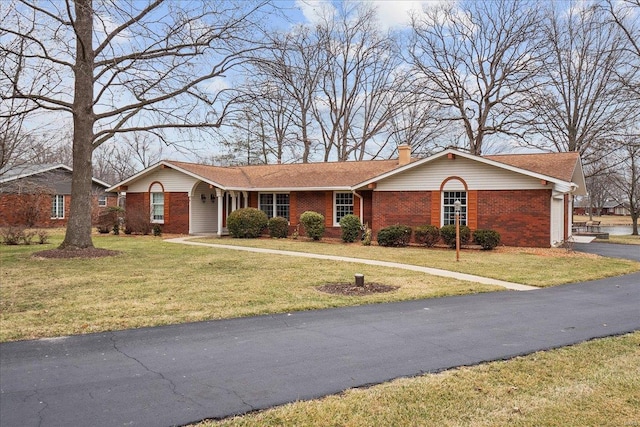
pixel 209 207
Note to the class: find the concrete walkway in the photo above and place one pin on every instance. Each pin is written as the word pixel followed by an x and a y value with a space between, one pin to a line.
pixel 427 270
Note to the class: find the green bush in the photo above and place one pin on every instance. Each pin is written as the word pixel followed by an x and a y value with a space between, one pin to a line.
pixel 350 226
pixel 247 223
pixel 448 234
pixel 313 224
pixel 395 235
pixel 488 239
pixel 278 227
pixel 157 230
pixel 427 235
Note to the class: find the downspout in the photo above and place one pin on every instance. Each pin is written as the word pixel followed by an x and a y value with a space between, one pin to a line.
pixel 361 204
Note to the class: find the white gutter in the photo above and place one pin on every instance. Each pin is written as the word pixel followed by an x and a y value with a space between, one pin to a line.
pixel 361 205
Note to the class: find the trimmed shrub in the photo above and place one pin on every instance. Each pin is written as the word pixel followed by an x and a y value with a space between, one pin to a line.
pixel 427 235
pixel 488 239
pixel 247 223
pixel 278 227
pixel 350 226
pixel 157 230
pixel 313 224
pixel 395 235
pixel 448 234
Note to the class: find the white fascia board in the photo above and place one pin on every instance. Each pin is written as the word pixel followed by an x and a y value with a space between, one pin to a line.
pixel 134 177
pixel 155 167
pixel 469 156
pixel 578 179
pixel 195 175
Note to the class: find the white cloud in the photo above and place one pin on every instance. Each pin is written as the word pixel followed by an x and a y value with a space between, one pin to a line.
pixel 391 13
pixel 314 10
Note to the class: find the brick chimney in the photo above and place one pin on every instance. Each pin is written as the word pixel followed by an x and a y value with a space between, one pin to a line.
pixel 404 154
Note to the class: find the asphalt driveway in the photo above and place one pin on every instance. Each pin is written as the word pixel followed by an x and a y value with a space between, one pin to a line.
pixel 179 374
pixel 611 250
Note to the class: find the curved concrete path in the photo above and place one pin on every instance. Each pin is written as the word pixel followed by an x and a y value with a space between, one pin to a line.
pixel 179 374
pixel 427 270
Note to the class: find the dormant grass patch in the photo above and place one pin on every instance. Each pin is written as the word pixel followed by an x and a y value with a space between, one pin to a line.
pixel 596 383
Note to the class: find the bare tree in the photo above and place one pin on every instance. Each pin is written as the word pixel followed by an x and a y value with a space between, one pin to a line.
pixel 627 177
pixel 479 61
pixel 270 115
pixel 359 85
pixel 417 122
pixel 295 65
pixel 124 66
pixel 583 104
pixel 125 156
pixel 14 138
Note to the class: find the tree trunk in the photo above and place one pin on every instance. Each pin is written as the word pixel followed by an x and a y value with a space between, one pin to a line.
pixel 78 235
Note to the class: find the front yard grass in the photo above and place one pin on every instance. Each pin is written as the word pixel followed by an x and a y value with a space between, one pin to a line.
pixel 153 282
pixel 528 266
pixel 623 240
pixel 596 383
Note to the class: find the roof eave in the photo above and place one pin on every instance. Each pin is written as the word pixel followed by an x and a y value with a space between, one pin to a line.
pixel 25 175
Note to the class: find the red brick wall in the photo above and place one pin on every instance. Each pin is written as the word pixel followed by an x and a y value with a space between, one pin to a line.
pixel 316 201
pixel 367 205
pixel 176 211
pixel 521 217
pixel 412 208
pixel 17 209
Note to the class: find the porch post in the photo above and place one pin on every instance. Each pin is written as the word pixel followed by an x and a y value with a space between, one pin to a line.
pixel 219 194
pixel 234 201
pixel 190 214
pixel 245 195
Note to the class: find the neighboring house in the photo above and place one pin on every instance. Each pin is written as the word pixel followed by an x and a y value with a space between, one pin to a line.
pixel 40 196
pixel 526 197
pixel 610 207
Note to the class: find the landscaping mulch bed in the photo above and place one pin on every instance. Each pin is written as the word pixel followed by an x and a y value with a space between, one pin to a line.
pixel 75 253
pixel 351 289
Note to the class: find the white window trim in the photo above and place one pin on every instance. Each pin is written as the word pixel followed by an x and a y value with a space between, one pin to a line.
pixel 54 203
pixel 466 205
pixel 156 221
pixel 102 201
pixel 274 206
pixel 336 222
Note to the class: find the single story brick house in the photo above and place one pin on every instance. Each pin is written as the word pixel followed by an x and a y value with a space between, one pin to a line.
pixel 39 195
pixel 525 197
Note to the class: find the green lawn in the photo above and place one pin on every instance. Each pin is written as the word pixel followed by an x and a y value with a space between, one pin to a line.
pixel 591 384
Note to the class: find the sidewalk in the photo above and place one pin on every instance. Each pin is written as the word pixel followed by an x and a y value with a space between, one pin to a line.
pixel 427 270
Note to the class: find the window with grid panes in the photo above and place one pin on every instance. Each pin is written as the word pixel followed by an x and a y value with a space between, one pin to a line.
pixel 448 207
pixel 157 207
pixel 343 206
pixel 274 204
pixel 57 206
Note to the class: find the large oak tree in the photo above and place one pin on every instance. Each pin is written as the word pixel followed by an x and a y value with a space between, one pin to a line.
pixel 120 66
